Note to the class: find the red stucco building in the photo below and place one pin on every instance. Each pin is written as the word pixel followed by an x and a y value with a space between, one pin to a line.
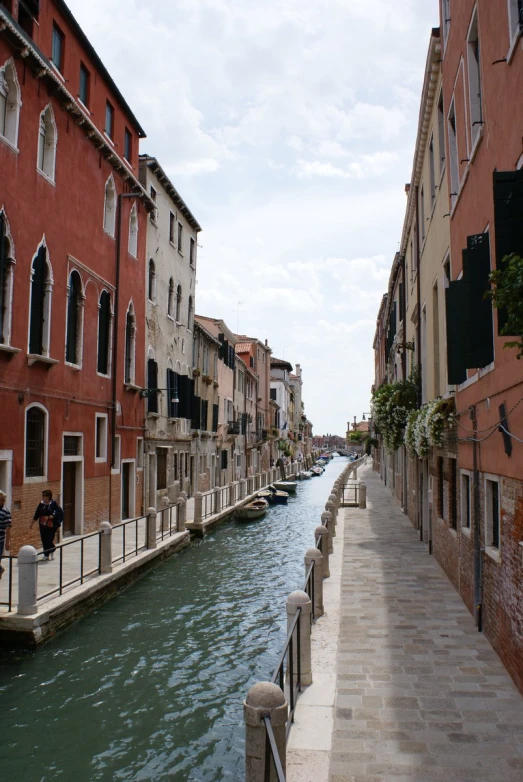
pixel 72 260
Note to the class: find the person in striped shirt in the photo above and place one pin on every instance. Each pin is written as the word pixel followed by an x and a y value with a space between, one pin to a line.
pixel 5 528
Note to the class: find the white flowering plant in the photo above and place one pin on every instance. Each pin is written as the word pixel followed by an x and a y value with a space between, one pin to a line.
pixel 425 427
pixel 391 406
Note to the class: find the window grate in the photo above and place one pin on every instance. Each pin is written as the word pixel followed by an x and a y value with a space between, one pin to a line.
pixel 71 445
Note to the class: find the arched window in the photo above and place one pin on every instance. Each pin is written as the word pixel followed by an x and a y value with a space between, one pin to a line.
pixel 7 263
pixel 130 345
pixel 133 232
pixel 110 206
pixel 35 442
pixel 40 311
pixel 151 289
pixel 10 103
pixel 47 140
pixel 104 333
pixel 189 314
pixel 178 303
pixel 170 301
pixel 75 301
pixel 152 382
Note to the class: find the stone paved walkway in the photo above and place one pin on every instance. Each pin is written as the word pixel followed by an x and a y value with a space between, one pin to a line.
pixel 420 694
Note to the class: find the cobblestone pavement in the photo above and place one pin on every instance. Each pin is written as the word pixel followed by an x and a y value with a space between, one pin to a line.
pixel 421 695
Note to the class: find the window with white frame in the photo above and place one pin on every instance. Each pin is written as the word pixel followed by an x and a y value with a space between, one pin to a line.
pixel 75 320
pixel 192 252
pixel 47 141
pixel 40 307
pixel 453 152
pixel 205 361
pixel 493 512
pixel 515 18
pixel 110 206
pixel 172 225
pixel 466 499
pixel 10 103
pixel 180 238
pixel 7 264
pixel 190 314
pixel 36 428
pixel 139 453
pixel 474 78
pixel 130 346
pixel 445 18
pixel 151 287
pixel 133 232
pixel 422 212
pixel 100 437
pixel 432 173
pixel 170 299
pixel 117 460
pixel 178 303
pixel 441 135
pixel 154 213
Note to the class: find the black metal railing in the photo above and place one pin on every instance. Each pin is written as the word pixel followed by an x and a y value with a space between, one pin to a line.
pixel 279 674
pixel 308 586
pixel 208 504
pixel 6 561
pixel 126 536
pixel 224 497
pixel 168 522
pixel 271 753
pixel 63 582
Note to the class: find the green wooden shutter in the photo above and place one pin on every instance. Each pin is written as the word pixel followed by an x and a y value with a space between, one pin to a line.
pixel 476 270
pixel 455 309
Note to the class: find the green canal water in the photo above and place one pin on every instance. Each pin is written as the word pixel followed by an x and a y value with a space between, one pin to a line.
pixel 151 685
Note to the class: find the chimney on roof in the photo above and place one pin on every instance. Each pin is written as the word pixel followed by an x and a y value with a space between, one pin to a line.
pixel 407 188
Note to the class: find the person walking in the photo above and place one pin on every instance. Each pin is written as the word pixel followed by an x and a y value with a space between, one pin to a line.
pixel 5 529
pixel 49 516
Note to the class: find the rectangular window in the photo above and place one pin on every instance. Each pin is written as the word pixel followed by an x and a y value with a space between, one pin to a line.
pixel 440 488
pixel 224 459
pixel 441 135
pixel 83 89
pixel 432 174
pixel 100 438
pixel 453 151
pixel 57 51
pixel 72 445
pixel 465 500
pixel 445 19
pixel 109 119
pixel 192 253
pixel 492 510
pixel 128 145
pixel 153 195
pixel 453 494
pixel 180 237
pixel 422 213
pixel 161 468
pixel 139 453
pixel 515 18
pixel 474 77
pixel 273 394
pixel 117 454
pixel 172 223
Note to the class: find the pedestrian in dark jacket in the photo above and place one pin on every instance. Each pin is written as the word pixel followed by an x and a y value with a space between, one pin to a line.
pixel 49 516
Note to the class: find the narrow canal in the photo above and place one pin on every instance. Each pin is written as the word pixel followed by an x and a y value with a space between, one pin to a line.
pixel 151 685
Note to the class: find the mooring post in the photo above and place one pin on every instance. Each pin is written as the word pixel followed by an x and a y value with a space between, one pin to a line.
pixel 324 547
pixel 106 541
pixel 301 600
pixel 264 699
pixel 330 507
pixel 198 506
pixel 315 555
pixel 27 580
pixel 327 521
pixel 232 493
pixel 182 513
pixel 362 496
pixel 217 498
pixel 165 514
pixel 151 528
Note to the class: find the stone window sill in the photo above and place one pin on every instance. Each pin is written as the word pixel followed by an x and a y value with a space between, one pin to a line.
pixel 132 387
pixel 9 350
pixel 493 553
pixel 466 531
pixel 34 358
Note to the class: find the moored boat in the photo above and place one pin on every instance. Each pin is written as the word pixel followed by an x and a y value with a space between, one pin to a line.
pixel 316 470
pixel 253 510
pixel 289 486
pixel 273 496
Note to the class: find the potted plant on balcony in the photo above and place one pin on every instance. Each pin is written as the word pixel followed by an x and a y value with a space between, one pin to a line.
pixel 207 379
pixel 196 373
pixel 216 384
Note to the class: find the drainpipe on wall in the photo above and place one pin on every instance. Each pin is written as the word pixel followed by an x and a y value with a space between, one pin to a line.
pixel 478 587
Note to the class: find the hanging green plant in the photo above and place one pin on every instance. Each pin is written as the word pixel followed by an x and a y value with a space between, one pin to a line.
pixel 391 406
pixel 426 426
pixel 507 294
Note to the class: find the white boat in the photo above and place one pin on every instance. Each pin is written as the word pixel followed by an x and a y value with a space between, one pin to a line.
pixel 253 510
pixel 289 486
pixel 316 470
pixel 304 475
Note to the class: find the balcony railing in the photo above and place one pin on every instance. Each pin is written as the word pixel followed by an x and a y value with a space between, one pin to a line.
pixel 233 427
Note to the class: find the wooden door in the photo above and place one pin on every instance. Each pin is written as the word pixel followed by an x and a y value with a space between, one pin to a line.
pixel 69 497
pixel 126 480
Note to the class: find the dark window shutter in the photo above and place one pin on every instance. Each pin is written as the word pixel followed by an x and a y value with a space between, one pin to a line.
pixel 402 309
pixel 3 277
pixel 455 306
pixel 196 412
pixel 152 382
pixel 205 411
pixel 104 313
pixel 36 332
pixel 172 394
pixel 72 319
pixel 508 220
pixel 182 395
pixel 190 399
pixel 215 413
pixel 476 270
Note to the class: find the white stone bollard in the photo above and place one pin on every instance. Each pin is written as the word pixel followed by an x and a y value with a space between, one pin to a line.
pixel 299 599
pixel 27 580
pixel 106 551
pixel 264 700
pixel 151 528
pixel 217 498
pixel 328 521
pixel 362 496
pixel 315 555
pixel 243 488
pixel 198 507
pixel 324 548
pixel 182 513
pixel 165 514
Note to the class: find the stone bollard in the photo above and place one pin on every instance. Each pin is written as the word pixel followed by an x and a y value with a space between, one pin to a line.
pixel 106 553
pixel 328 521
pixel 362 496
pixel 217 498
pixel 165 514
pixel 264 700
pixel 198 507
pixel 243 489
pixel 299 599
pixel 151 528
pixel 315 555
pixel 232 494
pixel 182 513
pixel 333 497
pixel 324 548
pixel 27 580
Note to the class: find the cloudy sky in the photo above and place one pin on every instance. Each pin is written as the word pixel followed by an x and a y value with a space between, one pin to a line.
pixel 288 126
